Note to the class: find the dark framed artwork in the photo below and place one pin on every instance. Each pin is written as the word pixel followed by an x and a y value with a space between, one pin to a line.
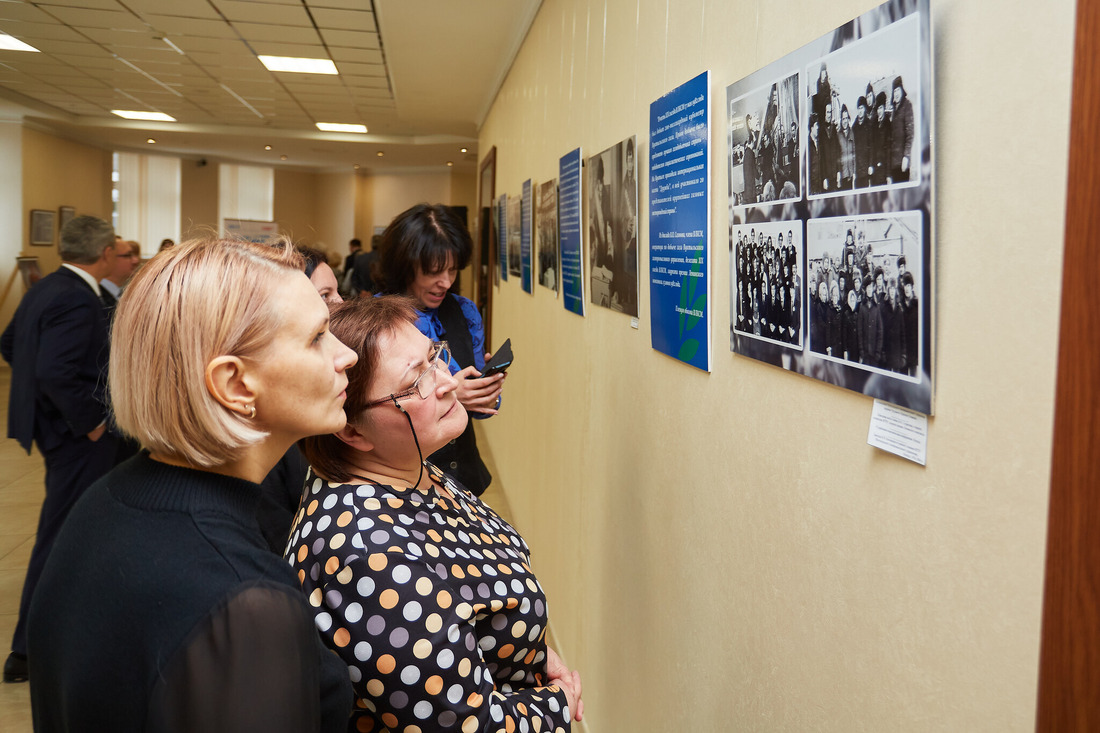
pixel 43 226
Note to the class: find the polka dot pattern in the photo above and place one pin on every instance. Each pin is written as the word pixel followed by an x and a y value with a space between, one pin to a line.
pixel 432 604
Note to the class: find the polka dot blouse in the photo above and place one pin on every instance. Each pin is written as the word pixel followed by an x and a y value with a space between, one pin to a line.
pixel 432 604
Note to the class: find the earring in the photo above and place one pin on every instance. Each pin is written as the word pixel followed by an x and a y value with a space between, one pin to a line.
pixel 253 415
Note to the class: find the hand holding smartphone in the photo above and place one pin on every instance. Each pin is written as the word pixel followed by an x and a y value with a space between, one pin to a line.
pixel 500 361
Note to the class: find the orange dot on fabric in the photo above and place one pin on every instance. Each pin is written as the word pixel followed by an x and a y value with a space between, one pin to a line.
pixel 443 599
pixel 472 570
pixel 388 598
pixel 311 508
pixel 456 571
pixel 375 688
pixel 434 685
pixel 301 576
pixel 474 700
pixel 364 725
pixel 386 664
pixel 521 708
pixel 377 562
pixel 470 725
pixel 505 651
pixel 344 519
pixel 394 502
pixel 389 720
pixel 509 724
pixel 530 656
pixel 434 535
pixel 464 667
pixel 488 540
pixel 386 518
pixel 504 569
pixel 332 565
pixel 341 637
pixel 302 551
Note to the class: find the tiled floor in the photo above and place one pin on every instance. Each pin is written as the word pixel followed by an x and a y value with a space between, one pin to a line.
pixel 21 492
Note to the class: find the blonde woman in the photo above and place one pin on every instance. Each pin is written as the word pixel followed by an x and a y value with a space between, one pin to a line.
pixel 160 607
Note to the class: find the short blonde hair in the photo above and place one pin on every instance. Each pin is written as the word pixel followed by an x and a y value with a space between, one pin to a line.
pixel 186 306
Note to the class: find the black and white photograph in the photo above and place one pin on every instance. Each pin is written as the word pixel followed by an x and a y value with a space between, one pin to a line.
pixel 862 122
pixel 763 144
pixel 515 233
pixel 546 227
pixel 878 184
pixel 612 213
pixel 766 272
pixel 863 275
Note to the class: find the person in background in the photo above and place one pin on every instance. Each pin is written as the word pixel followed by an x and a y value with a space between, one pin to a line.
pixel 161 608
pixel 910 305
pixel 441 630
pixel 354 248
pixel 901 134
pixel 847 143
pixel 127 257
pixel 881 142
pixel 165 244
pixel 321 275
pixel 363 270
pixel 57 347
pixel 861 134
pixel 423 249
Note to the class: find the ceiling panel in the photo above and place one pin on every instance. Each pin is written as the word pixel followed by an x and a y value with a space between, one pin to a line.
pixel 22 11
pixel 183 8
pixel 230 45
pixel 352 20
pixel 267 32
pixel 93 18
pixel 299 50
pixel 292 14
pixel 30 32
pixel 68 47
pixel 352 68
pixel 356 55
pixel 351 39
pixel 209 28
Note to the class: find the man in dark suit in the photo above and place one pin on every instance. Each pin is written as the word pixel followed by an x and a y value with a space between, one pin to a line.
pixel 57 346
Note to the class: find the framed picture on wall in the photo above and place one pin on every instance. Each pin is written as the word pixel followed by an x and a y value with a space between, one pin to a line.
pixel 43 224
pixel 64 214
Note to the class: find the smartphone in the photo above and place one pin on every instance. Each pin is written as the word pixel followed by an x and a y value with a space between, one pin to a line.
pixel 500 361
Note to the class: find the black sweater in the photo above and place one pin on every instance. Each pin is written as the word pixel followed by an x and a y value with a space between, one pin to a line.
pixel 161 609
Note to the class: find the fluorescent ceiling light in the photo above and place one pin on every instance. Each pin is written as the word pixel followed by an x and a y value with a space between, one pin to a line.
pixel 8 43
pixel 150 116
pixel 298 65
pixel 338 127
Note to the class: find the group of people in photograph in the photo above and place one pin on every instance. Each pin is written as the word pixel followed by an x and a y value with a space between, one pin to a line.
pixel 864 309
pixel 873 149
pixel 769 157
pixel 769 298
pixel 613 233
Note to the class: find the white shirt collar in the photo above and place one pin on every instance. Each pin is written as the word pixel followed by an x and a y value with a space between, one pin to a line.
pixel 84 276
pixel 110 287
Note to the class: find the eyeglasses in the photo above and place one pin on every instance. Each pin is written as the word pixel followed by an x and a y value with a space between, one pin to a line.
pixel 439 359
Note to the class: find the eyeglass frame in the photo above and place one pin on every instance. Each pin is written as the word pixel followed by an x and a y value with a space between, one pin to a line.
pixel 433 364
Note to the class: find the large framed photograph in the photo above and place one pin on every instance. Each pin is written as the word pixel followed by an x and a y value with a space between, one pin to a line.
pixel 850 300
pixel 43 226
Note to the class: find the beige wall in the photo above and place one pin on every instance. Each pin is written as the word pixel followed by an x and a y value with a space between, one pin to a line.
pixel 12 228
pixel 725 552
pixel 198 199
pixel 296 205
pixel 59 172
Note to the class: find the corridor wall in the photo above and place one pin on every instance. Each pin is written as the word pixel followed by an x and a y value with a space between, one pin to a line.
pixel 724 551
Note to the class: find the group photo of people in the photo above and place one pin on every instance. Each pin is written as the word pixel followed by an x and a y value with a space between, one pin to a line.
pixel 612 214
pixel 763 145
pixel 766 264
pixel 862 291
pixel 514 234
pixel 546 228
pixel 861 132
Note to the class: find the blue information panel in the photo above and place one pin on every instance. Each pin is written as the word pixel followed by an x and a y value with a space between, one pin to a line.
pixel 502 235
pixel 525 237
pixel 679 222
pixel 569 226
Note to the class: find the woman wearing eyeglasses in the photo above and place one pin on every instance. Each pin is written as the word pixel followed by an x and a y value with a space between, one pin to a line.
pixel 423 250
pixel 424 592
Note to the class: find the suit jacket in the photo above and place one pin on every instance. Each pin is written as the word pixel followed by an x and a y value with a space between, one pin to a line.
pixel 57 345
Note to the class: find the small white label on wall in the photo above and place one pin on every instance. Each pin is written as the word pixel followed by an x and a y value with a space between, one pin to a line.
pixel 899 431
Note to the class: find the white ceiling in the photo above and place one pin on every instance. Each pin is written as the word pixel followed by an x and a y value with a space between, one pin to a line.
pixel 420 74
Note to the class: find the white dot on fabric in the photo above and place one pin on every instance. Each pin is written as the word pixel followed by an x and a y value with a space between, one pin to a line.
pixel 401 574
pixel 353 613
pixel 445 659
pixel 363 651
pixel 323 621
pixel 410 675
pixel 323 523
pixel 365 586
pixel 354 674
pixel 412 611
pixel 422 710
pixel 330 501
pixel 454 693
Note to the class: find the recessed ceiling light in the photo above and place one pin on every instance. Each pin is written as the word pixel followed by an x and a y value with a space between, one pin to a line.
pixel 267 147
pixel 8 43
pixel 137 115
pixel 298 65
pixel 462 150
pixel 450 162
pixel 356 166
pixel 150 140
pixel 340 127
pixel 379 153
pixel 282 157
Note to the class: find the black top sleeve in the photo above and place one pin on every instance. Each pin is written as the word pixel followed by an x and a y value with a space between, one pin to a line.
pixel 254 664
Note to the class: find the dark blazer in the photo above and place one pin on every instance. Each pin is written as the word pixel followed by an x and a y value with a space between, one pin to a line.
pixel 57 345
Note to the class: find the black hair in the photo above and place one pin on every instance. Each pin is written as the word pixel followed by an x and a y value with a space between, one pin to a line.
pixel 313 258
pixel 423 238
